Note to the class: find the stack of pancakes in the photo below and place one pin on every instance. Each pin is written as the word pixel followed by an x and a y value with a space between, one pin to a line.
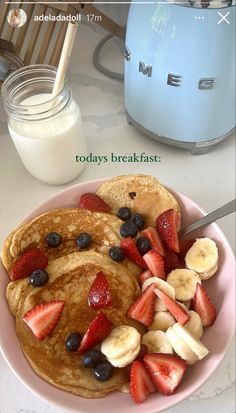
pixel 71 273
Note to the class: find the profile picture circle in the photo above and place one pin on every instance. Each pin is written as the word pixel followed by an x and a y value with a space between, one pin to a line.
pixel 16 18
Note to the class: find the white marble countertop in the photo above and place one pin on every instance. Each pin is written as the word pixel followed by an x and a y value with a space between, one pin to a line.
pixel 207 179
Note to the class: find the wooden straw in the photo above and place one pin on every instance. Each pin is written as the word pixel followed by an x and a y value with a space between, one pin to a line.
pixel 65 57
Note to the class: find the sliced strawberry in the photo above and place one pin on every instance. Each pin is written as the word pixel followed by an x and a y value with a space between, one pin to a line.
pixel 168 224
pixel 100 294
pixel 144 307
pixel 144 276
pixel 43 318
pixel 165 370
pixel 172 261
pixel 31 259
pixel 131 251
pixel 93 203
pixel 178 312
pixel 98 329
pixel 140 383
pixel 184 246
pixel 155 263
pixel 203 305
pixel 156 243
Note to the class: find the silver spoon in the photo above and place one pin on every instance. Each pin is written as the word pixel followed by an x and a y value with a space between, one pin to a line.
pixel 221 212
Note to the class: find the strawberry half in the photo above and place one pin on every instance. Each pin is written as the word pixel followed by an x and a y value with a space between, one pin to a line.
pixel 43 318
pixel 144 276
pixel 184 246
pixel 156 243
pixel 203 305
pixel 31 259
pixel 172 261
pixel 98 329
pixel 155 263
pixel 143 308
pixel 178 312
pixel 100 294
pixel 131 251
pixel 140 383
pixel 93 203
pixel 166 371
pixel 168 225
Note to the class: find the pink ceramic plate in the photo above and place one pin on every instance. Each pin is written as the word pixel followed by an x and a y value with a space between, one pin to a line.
pixel 217 338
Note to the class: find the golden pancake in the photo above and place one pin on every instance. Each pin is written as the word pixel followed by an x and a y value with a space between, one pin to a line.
pixel 70 278
pixel 69 223
pixel 144 194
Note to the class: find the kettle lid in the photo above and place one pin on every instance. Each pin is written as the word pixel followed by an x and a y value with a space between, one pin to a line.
pixel 207 4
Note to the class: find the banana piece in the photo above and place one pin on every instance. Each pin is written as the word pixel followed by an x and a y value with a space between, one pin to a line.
pixel 193 343
pixel 202 257
pixel 121 346
pixel 164 287
pixel 180 347
pixel 157 342
pixel 194 325
pixel 184 282
pixel 125 388
pixel 162 321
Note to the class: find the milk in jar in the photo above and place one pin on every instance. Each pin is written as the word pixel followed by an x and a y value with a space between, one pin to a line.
pixel 47 132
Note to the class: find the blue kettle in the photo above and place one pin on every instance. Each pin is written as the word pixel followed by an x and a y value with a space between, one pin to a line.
pixel 180 71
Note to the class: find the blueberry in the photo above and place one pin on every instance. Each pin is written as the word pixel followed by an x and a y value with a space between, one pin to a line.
pixel 117 254
pixel 73 342
pixel 124 213
pixel 103 371
pixel 38 278
pixel 84 240
pixel 92 358
pixel 143 245
pixel 138 220
pixel 53 239
pixel 128 229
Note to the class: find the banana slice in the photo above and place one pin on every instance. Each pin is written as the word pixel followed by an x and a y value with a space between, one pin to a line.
pixel 180 347
pixel 157 342
pixel 193 343
pixel 202 257
pixel 162 321
pixel 125 388
pixel 184 282
pixel 194 325
pixel 121 346
pixel 164 287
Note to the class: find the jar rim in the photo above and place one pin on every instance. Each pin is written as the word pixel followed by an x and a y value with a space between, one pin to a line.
pixel 13 86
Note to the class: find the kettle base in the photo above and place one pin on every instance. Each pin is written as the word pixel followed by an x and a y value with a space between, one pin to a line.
pixel 196 148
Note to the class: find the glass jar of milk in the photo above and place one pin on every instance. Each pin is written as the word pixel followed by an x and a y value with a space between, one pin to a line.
pixel 47 132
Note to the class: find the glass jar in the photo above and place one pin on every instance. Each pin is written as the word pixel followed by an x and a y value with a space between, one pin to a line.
pixel 47 132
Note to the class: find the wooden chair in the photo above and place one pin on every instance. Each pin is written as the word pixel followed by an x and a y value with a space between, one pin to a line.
pixel 41 41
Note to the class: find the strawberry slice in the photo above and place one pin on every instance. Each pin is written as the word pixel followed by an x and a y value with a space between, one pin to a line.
pixel 172 261
pixel 166 371
pixel 184 246
pixel 31 259
pixel 98 329
pixel 93 203
pixel 43 318
pixel 156 243
pixel 143 308
pixel 131 251
pixel 144 276
pixel 140 383
pixel 100 294
pixel 203 305
pixel 155 263
pixel 168 225
pixel 178 312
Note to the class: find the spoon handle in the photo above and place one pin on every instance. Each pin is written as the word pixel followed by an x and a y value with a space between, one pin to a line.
pixel 221 212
